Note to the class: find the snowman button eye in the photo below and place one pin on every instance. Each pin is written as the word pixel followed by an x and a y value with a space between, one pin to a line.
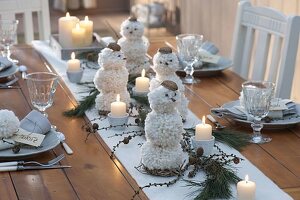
pixel 127 27
pixel 135 29
pixel 119 56
pixel 166 95
pixel 171 60
pixel 160 62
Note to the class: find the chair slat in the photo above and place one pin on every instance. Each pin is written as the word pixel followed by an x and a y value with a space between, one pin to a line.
pixel 261 55
pixel 276 51
pixel 28 26
pixel 247 52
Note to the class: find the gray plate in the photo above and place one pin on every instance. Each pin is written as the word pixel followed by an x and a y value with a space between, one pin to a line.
pixel 210 69
pixel 10 71
pixel 275 124
pixel 50 142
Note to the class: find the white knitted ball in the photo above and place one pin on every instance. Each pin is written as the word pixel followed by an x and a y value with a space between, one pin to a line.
pixel 164 64
pixel 9 123
pixel 109 59
pixel 132 29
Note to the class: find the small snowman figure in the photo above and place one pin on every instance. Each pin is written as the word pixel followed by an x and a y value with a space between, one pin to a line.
pixel 112 77
pixel 134 45
pixel 163 128
pixel 165 64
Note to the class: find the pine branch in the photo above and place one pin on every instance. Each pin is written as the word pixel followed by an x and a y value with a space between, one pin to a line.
pixel 234 139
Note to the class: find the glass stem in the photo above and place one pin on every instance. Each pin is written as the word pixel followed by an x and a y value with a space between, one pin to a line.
pixel 257 126
pixel 6 52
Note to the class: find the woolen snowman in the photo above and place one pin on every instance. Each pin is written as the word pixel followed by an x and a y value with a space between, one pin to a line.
pixel 163 128
pixel 165 64
pixel 134 45
pixel 112 77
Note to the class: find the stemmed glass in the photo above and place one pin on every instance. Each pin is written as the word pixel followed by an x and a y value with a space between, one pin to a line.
pixel 42 86
pixel 257 97
pixel 8 35
pixel 188 46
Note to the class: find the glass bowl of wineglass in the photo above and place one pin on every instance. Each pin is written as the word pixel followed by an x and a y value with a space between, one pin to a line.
pixel 8 36
pixel 257 97
pixel 188 46
pixel 42 86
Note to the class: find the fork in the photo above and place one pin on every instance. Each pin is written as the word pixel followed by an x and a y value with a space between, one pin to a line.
pixel 22 163
pixel 9 82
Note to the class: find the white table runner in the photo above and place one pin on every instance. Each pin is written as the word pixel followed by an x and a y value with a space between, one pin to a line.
pixel 129 155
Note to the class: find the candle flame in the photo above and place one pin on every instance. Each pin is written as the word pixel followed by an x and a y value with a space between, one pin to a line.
pixel 86 18
pixel 72 55
pixel 143 73
pixel 118 97
pixel 203 120
pixel 246 178
pixel 77 26
pixel 68 14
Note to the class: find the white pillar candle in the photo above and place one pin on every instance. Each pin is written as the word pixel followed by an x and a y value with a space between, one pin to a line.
pixel 118 108
pixel 142 83
pixel 65 26
pixel 246 189
pixel 73 64
pixel 78 35
pixel 88 26
pixel 203 131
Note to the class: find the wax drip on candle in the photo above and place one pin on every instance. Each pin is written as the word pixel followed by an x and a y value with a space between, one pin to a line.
pixel 247 178
pixel 118 98
pixel 72 55
pixel 143 73
pixel 86 18
pixel 67 14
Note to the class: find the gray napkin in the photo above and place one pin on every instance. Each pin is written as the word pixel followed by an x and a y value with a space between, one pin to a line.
pixel 4 63
pixel 35 122
pixel 210 47
pixel 237 113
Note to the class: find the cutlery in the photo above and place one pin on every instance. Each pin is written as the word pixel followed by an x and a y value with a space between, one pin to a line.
pixel 213 120
pixel 22 163
pixel 23 70
pixel 21 168
pixel 62 139
pixel 10 87
pixel 9 82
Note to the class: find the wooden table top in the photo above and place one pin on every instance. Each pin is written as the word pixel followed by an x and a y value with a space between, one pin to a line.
pixel 95 176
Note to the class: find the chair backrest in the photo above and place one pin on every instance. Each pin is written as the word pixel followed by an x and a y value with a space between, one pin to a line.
pixel 9 9
pixel 265 44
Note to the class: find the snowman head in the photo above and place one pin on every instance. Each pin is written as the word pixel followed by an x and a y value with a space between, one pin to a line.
pixel 165 61
pixel 164 98
pixel 111 57
pixel 132 29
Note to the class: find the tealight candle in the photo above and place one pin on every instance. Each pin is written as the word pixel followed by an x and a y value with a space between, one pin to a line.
pixel 142 83
pixel 65 26
pixel 246 189
pixel 88 26
pixel 78 35
pixel 118 108
pixel 203 131
pixel 73 64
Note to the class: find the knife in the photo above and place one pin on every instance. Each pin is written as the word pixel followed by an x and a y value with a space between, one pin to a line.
pixel 21 168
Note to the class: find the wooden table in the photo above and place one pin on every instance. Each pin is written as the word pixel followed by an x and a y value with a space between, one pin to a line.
pixel 95 176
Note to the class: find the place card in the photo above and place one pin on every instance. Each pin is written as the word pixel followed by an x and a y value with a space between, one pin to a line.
pixel 25 137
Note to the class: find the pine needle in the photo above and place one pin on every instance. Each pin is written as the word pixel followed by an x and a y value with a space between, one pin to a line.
pixel 234 139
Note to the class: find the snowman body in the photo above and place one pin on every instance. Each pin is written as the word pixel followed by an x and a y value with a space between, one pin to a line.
pixel 165 65
pixel 163 128
pixel 134 46
pixel 111 79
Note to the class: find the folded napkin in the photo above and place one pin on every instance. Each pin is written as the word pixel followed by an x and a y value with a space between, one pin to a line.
pixel 276 112
pixel 4 63
pixel 209 47
pixel 35 122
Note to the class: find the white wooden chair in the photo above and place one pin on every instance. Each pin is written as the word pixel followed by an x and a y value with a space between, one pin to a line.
pixel 9 8
pixel 265 44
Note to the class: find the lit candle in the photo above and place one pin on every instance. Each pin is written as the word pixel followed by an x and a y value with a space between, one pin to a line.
pixel 73 64
pixel 78 35
pixel 88 26
pixel 203 131
pixel 65 26
pixel 142 83
pixel 246 189
pixel 118 108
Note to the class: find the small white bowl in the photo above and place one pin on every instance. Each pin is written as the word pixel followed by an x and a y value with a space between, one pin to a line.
pixel 207 145
pixel 75 76
pixel 118 121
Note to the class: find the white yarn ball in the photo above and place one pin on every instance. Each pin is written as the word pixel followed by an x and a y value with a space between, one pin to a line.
pixel 109 59
pixel 9 123
pixel 164 64
pixel 132 29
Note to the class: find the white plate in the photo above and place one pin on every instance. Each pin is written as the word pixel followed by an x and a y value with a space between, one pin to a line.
pixel 210 69
pixel 275 124
pixel 50 142
pixel 10 71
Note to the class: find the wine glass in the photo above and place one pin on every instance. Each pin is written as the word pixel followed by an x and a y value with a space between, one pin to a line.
pixel 8 35
pixel 188 46
pixel 257 97
pixel 42 86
